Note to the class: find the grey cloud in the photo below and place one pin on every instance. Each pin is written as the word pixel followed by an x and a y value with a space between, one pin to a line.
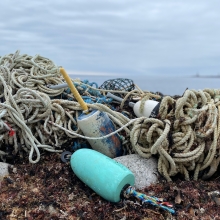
pixel 116 36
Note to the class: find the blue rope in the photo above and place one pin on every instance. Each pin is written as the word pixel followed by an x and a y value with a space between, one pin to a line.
pixel 87 99
pixel 102 99
pixel 130 191
pixel 91 84
pixel 99 98
pixel 90 90
pixel 77 145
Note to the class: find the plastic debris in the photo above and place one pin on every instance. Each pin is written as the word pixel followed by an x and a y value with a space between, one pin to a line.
pixel 149 109
pixel 130 191
pixel 39 113
pixel 96 170
pixel 101 173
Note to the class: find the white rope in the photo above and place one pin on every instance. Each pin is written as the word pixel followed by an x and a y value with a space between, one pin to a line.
pixel 94 138
pixel 33 116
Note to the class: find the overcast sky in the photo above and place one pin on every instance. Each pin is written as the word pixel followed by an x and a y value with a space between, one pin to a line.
pixel 117 36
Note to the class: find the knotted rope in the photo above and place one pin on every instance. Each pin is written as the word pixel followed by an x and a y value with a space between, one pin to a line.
pixel 184 135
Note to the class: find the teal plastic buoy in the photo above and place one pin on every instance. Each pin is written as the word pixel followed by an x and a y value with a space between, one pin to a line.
pixel 101 173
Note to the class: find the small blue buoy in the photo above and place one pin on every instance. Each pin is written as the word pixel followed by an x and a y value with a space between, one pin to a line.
pixel 101 173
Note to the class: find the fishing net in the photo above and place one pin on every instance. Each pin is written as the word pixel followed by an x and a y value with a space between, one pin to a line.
pixel 118 84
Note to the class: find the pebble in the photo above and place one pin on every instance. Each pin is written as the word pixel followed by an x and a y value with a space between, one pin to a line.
pixel 3 170
pixel 144 170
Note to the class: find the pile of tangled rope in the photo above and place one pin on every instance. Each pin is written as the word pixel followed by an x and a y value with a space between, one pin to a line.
pixel 184 135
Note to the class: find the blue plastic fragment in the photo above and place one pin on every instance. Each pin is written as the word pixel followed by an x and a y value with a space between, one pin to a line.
pixel 77 145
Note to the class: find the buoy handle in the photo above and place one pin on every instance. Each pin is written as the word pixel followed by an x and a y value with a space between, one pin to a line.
pixel 74 90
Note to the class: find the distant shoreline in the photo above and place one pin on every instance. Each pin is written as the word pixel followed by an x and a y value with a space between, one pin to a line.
pixel 206 76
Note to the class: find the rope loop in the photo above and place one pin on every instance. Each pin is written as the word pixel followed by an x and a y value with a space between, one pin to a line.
pixel 35 118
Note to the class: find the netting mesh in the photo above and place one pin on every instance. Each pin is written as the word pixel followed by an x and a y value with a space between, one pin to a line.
pixel 118 84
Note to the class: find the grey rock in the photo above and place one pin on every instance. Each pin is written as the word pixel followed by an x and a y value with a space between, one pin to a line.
pixel 144 170
pixel 3 170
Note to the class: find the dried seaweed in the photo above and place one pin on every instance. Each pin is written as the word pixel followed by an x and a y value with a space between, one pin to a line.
pixel 50 190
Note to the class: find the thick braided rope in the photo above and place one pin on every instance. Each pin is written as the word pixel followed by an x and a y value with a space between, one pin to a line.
pixel 30 72
pixel 194 126
pixel 29 111
pixel 185 136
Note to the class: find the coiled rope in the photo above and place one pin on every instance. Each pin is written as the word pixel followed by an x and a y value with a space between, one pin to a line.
pixel 184 135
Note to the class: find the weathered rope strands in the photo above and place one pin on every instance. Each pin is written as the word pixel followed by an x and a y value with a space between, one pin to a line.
pixel 33 117
pixel 185 134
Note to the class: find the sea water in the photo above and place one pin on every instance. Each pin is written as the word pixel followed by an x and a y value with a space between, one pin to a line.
pixel 166 84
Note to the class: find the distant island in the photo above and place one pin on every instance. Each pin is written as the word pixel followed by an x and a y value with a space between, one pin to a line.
pixel 206 76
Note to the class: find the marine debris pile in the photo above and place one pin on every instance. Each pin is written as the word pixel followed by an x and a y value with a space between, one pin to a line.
pixel 36 116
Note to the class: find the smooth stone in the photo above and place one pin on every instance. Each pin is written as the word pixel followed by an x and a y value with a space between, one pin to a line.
pixel 144 170
pixel 3 170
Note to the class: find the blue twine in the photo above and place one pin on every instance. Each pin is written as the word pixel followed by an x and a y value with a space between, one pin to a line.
pixel 91 84
pixel 125 114
pixel 130 191
pixel 99 98
pixel 90 90
pixel 68 91
pixel 102 99
pixel 87 99
pixel 77 145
